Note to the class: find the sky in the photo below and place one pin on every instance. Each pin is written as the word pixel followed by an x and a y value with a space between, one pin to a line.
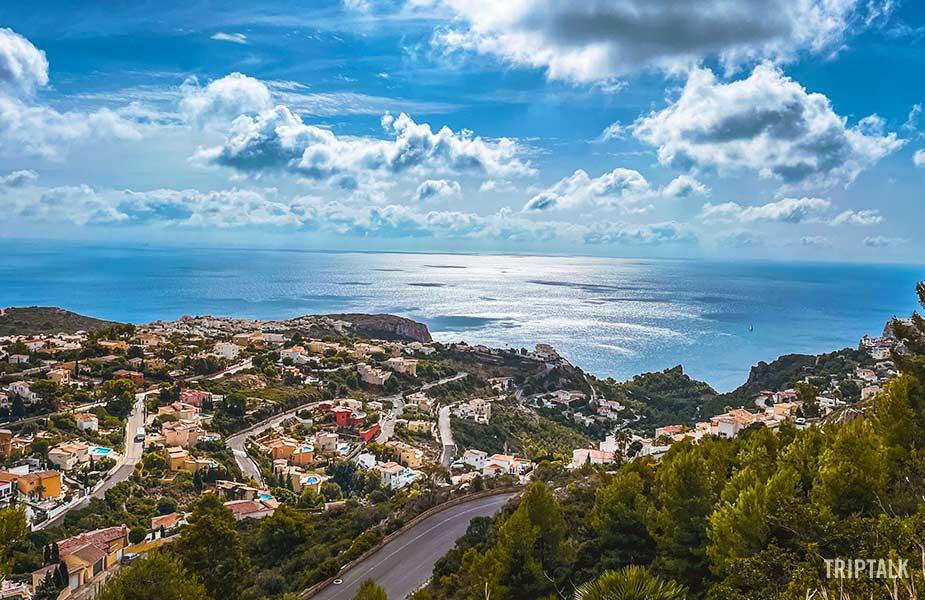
pixel 770 130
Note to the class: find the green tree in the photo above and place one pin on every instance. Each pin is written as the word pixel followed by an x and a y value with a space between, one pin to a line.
pixel 212 550
pixel 13 527
pixel 807 394
pixel 618 520
pixel 159 576
pixel 370 591
pixel 852 470
pixel 282 532
pixel 631 583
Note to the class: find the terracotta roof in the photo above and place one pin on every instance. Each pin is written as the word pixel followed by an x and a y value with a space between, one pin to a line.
pixel 247 507
pixel 99 537
pixel 165 521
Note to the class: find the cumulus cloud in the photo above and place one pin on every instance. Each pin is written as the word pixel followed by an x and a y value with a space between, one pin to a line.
pixel 80 204
pixel 818 241
pixel 860 217
pixel 18 178
pixel 767 123
pixel 223 99
pixel 23 67
pixel 787 210
pixel 668 232
pixel 235 38
pixel 32 128
pixel 879 241
pixel 267 208
pixel 918 159
pixel 620 188
pixel 614 131
pixel 39 130
pixel 434 189
pixel 277 139
pixel 685 186
pixel 602 39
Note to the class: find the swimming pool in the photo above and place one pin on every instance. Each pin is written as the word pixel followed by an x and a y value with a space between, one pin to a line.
pixel 101 451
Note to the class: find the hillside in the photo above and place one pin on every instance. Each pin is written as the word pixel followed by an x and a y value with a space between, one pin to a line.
pixel 35 320
pixel 787 370
pixel 664 397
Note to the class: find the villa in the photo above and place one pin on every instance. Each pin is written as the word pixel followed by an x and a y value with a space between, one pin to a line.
pixel 407 366
pixel 252 509
pixel 394 476
pixel 583 456
pixel 373 375
pixel 408 455
pixel 91 553
pixel 87 422
pixel 68 455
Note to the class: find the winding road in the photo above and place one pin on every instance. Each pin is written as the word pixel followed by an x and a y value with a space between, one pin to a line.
pixel 124 466
pixel 405 563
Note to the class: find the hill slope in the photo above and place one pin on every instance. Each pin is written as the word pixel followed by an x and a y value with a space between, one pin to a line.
pixel 35 320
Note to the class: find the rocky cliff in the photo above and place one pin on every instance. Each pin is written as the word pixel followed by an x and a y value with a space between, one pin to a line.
pixel 385 327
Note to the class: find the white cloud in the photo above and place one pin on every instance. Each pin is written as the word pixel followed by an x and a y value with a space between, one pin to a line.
pixel 267 208
pixel 621 188
pixel 223 99
pixel 684 186
pixel 818 241
pixel 80 205
pixel 235 38
pixel 28 127
pixel 635 234
pixel 23 67
pixel 787 210
pixel 277 139
pixel 18 178
pixel 918 159
pixel 767 123
pixel 39 130
pixel 596 40
pixel 879 241
pixel 614 131
pixel 437 189
pixel 860 217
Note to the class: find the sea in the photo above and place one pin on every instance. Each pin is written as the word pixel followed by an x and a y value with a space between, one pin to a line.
pixel 612 317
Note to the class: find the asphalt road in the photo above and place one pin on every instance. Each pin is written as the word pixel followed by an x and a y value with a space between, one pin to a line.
pixel 236 442
pixel 124 467
pixel 406 563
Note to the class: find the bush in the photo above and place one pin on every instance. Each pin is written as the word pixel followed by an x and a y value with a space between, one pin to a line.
pixel 137 535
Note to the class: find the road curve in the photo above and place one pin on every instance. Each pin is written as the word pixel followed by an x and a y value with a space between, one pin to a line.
pixel 406 562
pixel 125 466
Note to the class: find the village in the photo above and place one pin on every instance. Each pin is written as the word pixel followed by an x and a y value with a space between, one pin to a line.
pixel 264 415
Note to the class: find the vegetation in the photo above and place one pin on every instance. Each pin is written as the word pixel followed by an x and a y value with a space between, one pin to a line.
pixel 37 320
pixel 750 518
pixel 521 431
pixel 664 398
pixel 159 576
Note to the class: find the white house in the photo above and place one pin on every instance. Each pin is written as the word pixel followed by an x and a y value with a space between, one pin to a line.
pixel 475 458
pixel 227 350
pixel 583 456
pixel 296 354
pixel 22 389
pixel 395 476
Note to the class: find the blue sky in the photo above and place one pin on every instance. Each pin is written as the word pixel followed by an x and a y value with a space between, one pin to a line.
pixel 627 128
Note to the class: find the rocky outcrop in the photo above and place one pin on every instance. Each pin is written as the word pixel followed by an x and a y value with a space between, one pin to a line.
pixel 385 327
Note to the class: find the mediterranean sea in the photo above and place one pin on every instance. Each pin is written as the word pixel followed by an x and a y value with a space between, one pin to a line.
pixel 611 317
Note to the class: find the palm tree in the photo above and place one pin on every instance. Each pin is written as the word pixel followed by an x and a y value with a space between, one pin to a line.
pixel 630 583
